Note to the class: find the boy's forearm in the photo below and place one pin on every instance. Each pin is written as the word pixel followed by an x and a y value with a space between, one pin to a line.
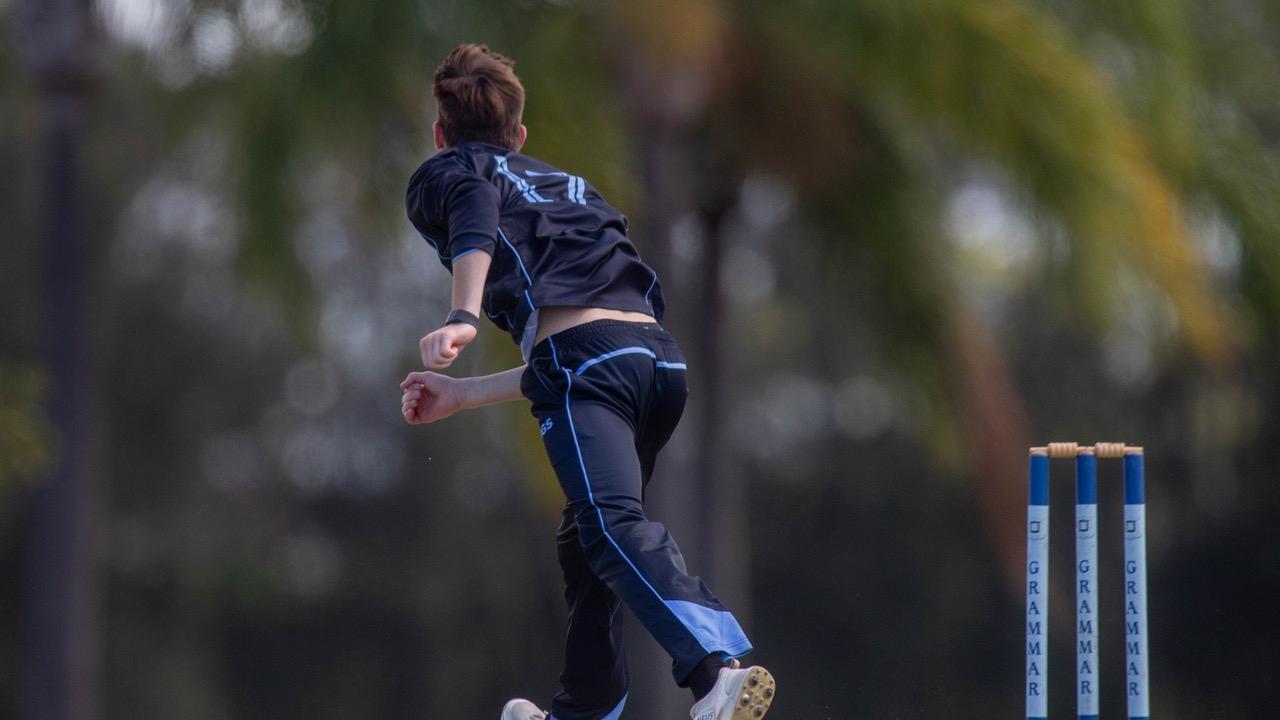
pixel 469 273
pixel 484 390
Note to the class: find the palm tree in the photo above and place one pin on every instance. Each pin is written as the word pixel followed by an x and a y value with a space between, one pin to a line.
pixel 857 104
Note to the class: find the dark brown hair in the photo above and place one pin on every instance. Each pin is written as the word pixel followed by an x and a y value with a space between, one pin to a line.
pixel 478 97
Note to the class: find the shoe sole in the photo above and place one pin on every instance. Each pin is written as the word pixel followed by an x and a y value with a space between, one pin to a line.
pixel 755 696
pixel 509 710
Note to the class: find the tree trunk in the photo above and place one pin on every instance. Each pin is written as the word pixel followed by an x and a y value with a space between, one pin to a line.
pixel 725 510
pixel 677 494
pixel 697 491
pixel 58 622
pixel 996 431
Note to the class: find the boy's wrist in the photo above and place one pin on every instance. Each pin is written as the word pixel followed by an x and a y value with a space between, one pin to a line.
pixel 461 315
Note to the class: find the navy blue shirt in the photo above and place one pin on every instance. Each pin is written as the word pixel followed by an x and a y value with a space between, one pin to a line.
pixel 553 239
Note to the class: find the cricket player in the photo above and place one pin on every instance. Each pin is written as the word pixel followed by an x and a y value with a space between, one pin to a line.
pixel 547 259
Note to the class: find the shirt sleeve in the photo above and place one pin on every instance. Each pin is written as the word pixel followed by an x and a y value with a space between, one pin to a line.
pixel 456 212
pixel 471 213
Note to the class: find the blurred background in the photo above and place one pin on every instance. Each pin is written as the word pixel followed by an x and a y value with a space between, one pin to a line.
pixel 902 240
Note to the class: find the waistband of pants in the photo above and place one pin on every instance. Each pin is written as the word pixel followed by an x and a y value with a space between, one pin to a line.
pixel 591 329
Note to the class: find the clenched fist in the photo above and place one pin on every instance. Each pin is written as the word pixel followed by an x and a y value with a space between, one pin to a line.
pixel 440 347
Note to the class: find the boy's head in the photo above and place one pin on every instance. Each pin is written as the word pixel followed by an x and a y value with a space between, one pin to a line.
pixel 478 97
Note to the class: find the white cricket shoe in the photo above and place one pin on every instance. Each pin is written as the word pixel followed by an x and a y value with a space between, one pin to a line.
pixel 744 694
pixel 521 709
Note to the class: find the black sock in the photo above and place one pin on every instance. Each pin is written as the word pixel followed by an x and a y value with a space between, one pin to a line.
pixel 704 675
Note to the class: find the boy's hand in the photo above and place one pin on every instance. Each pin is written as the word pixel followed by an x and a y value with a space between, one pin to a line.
pixel 428 397
pixel 440 347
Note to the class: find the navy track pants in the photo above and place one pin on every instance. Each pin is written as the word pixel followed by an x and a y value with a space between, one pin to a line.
pixel 607 395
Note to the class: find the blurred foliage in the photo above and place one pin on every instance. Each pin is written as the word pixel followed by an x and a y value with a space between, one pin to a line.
pixel 25 442
pixel 1004 80
pixel 277 544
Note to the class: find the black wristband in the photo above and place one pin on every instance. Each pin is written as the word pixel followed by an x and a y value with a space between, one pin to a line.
pixel 462 316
